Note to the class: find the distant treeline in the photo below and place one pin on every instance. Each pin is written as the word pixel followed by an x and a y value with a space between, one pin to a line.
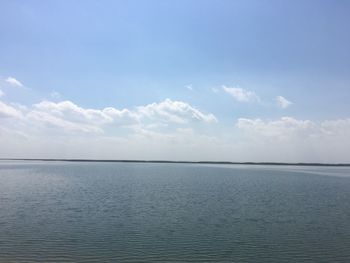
pixel 164 161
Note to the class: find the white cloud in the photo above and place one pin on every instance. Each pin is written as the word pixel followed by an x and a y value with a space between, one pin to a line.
pixel 336 127
pixel 240 94
pixel 1 93
pixel 14 82
pixel 174 111
pixel 283 102
pixel 164 130
pixel 286 140
pixel 282 128
pixel 7 111
pixel 161 130
pixel 20 107
pixel 122 117
pixel 166 111
pixel 70 111
pixel 56 122
pixel 291 140
pixel 67 116
pixel 71 117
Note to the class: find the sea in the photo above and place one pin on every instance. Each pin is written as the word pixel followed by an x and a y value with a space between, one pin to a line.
pixel 163 212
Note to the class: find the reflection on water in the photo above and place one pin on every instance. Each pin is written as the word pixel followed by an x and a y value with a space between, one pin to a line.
pixel 125 212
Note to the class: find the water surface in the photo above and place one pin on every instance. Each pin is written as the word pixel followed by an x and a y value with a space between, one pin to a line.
pixel 143 212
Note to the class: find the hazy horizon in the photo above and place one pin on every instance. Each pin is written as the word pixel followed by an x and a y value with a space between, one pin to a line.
pixel 240 81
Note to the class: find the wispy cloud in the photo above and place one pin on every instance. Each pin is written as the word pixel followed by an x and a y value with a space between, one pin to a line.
pixel 282 102
pixel 241 95
pixel 14 82
pixel 55 95
pixel 1 93
pixel 189 87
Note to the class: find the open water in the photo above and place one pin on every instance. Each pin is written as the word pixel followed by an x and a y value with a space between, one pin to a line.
pixel 144 212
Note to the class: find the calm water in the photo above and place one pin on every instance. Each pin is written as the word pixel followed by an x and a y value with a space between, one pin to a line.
pixel 115 212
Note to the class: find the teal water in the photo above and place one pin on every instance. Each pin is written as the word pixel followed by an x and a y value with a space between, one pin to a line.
pixel 134 212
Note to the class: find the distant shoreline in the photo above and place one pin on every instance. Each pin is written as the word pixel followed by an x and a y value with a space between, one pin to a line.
pixel 165 161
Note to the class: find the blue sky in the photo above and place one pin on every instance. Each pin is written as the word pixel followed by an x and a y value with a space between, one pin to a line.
pixel 206 54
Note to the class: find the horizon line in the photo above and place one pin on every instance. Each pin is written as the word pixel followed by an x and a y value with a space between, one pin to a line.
pixel 172 161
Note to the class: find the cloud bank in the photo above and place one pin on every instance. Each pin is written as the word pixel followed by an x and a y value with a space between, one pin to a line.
pixel 168 129
pixel 68 116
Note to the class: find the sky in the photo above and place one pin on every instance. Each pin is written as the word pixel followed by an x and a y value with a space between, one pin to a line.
pixel 252 80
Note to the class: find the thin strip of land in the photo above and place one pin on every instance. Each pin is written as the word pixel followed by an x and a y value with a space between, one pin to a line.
pixel 167 161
